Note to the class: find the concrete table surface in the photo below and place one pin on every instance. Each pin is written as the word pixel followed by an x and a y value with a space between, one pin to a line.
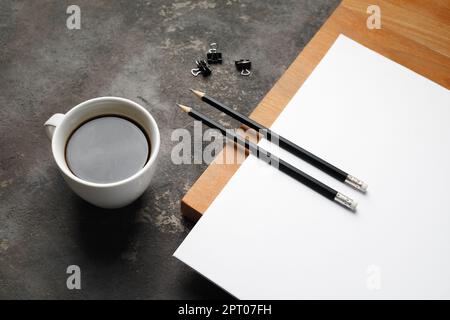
pixel 141 50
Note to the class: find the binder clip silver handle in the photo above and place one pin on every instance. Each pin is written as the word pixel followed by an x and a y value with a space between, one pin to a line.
pixel 195 72
pixel 213 47
pixel 244 66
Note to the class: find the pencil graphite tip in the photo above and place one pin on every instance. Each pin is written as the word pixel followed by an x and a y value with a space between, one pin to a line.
pixel 184 108
pixel 198 93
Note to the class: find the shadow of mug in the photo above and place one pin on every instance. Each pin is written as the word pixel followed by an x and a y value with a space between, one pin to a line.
pixel 106 234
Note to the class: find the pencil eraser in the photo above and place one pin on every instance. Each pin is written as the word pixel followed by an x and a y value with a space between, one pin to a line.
pixel 354 205
pixel 364 187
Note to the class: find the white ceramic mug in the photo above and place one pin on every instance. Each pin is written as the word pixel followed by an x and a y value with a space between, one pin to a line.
pixel 106 195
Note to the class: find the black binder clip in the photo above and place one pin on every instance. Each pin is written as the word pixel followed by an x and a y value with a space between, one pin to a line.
pixel 202 68
pixel 244 66
pixel 213 56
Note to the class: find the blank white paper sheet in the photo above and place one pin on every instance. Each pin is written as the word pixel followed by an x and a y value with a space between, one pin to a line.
pixel 267 236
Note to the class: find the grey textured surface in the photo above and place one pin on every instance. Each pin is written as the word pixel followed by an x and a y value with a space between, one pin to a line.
pixel 141 50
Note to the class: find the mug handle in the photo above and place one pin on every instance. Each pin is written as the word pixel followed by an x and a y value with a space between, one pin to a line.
pixel 51 124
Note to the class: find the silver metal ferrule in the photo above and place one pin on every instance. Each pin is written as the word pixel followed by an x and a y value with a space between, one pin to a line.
pixel 356 183
pixel 345 201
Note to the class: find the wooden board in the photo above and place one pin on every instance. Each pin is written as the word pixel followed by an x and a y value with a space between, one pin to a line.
pixel 413 33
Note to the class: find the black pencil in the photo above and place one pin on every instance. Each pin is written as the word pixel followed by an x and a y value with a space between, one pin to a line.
pixel 286 144
pixel 276 162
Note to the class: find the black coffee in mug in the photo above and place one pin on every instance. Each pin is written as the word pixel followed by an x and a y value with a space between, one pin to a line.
pixel 107 149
